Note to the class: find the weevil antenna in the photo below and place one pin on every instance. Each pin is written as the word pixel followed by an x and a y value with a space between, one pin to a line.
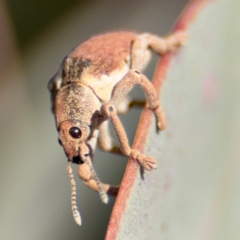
pixel 75 212
pixel 101 192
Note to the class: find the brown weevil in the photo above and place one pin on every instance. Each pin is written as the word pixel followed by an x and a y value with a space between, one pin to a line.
pixel 91 87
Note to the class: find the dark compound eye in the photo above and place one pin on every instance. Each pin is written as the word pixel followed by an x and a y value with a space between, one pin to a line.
pixel 75 132
pixel 59 141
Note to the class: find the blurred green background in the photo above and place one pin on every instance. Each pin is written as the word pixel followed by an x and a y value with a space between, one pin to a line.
pixel 34 37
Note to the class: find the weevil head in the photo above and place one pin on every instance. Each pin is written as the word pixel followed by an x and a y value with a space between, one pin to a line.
pixel 72 137
pixel 75 107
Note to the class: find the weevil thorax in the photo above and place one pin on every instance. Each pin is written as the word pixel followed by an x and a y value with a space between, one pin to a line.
pixel 74 110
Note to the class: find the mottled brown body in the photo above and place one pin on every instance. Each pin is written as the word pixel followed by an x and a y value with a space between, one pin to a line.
pixel 91 87
pixel 113 51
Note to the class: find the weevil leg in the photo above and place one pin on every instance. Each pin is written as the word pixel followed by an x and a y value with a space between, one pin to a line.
pixel 141 54
pixel 89 177
pixel 142 46
pixel 109 111
pixel 123 106
pixel 105 142
pixel 126 84
pixel 87 173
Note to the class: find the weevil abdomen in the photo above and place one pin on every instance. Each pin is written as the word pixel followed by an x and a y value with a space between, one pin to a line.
pixel 105 53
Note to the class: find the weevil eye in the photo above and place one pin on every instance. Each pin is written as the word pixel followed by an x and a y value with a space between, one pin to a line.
pixel 75 132
pixel 60 142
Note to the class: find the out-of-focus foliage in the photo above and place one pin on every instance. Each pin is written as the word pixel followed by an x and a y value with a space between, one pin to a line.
pixel 31 17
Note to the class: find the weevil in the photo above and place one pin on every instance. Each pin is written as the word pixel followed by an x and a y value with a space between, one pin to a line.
pixel 91 87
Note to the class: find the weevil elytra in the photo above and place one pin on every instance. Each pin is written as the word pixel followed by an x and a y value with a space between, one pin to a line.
pixel 91 88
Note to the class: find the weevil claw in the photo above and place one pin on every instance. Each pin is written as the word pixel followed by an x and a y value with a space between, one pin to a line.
pixel 148 163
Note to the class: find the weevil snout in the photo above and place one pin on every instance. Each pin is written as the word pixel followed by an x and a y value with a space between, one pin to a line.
pixel 83 153
pixel 76 160
pixel 72 136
